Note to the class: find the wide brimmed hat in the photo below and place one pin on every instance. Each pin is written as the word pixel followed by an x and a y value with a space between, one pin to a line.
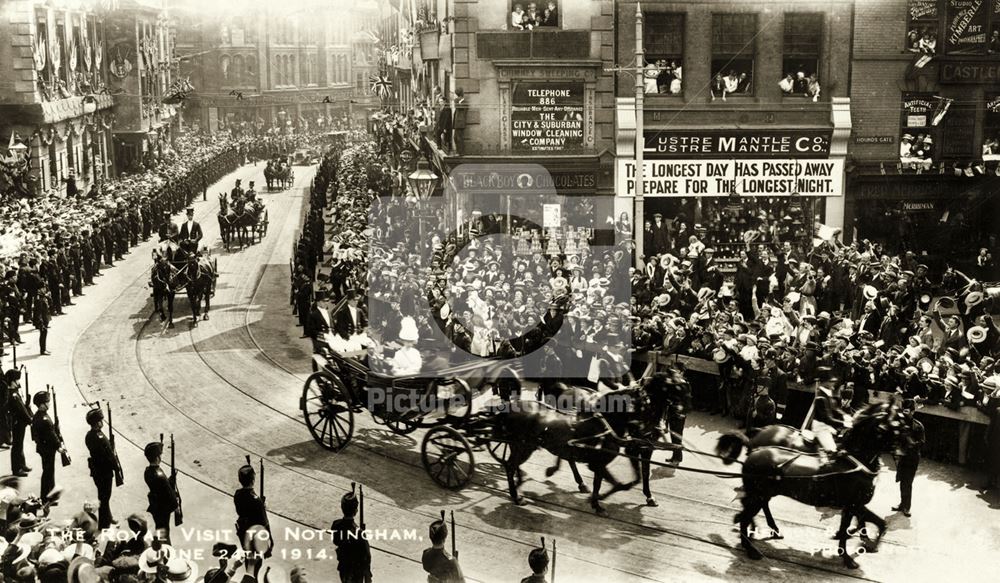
pixel 870 292
pixel 181 570
pixel 720 355
pixel 408 330
pixel 150 558
pixel 976 334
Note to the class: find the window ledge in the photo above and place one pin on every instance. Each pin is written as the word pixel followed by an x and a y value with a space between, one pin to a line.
pixel 667 96
pixel 733 99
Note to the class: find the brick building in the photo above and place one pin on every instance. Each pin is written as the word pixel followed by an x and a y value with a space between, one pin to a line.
pixel 53 99
pixel 925 87
pixel 283 66
pixel 535 95
pixel 751 98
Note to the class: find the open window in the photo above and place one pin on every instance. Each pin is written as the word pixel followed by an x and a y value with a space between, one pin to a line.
pixel 801 57
pixel 531 15
pixel 922 26
pixel 663 40
pixel 733 50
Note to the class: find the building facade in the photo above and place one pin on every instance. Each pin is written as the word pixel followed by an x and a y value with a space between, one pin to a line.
pixel 139 51
pixel 55 108
pixel 925 84
pixel 280 68
pixel 745 116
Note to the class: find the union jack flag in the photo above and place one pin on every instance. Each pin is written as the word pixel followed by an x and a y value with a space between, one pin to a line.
pixel 381 85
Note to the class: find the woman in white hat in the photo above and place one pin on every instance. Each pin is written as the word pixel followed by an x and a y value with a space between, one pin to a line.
pixel 407 360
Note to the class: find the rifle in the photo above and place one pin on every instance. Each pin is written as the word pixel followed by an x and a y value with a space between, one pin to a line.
pixel 361 505
pixel 55 416
pixel 179 513
pixel 27 387
pixel 13 347
pixel 454 550
pixel 119 473
pixel 553 560
pixel 263 498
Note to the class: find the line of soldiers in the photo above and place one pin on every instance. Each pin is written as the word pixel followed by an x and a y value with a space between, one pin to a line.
pixel 42 285
pixel 17 418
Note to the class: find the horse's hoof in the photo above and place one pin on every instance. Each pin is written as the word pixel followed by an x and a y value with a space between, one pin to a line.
pixel 550 471
pixel 850 563
pixel 170 325
pixel 870 547
pixel 205 317
pixel 775 535
pixel 163 318
pixel 583 488
pixel 521 501
pixel 650 501
pixel 601 511
pixel 194 324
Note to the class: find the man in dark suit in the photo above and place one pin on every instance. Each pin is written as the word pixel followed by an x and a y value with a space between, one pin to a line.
pixel 906 464
pixel 102 465
pixel 19 415
pixel 442 126
pixel 162 498
pixel 191 230
pixel 350 319
pixel 459 120
pixel 661 236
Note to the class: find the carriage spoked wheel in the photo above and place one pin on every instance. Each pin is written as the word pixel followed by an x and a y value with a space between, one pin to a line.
pixel 326 410
pixel 401 426
pixel 500 450
pixel 447 457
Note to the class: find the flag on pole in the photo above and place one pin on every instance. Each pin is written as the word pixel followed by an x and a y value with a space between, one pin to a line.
pixel 381 85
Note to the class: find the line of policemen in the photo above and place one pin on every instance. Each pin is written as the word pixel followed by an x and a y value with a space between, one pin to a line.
pixel 43 284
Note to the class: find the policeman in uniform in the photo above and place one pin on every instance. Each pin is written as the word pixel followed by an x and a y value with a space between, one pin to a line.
pixel 250 508
pixel 440 566
pixel 19 415
pixel 162 498
pixel 538 561
pixel 41 319
pixel 354 556
pixel 680 403
pixel 906 464
pixel 102 465
pixel 47 442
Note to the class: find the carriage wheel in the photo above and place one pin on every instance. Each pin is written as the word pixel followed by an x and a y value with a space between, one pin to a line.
pixel 326 410
pixel 500 450
pixel 401 426
pixel 447 457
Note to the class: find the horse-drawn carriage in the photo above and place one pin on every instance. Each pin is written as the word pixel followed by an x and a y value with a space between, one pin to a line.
pixel 343 385
pixel 278 173
pixel 244 221
pixel 182 268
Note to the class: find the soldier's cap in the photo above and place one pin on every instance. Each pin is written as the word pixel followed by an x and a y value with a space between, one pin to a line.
pixel 538 560
pixel 438 531
pixel 153 450
pixel 94 415
pixel 40 398
pixel 246 473
pixel 349 504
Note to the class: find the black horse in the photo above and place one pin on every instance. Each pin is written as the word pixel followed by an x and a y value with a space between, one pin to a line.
pixel 846 482
pixel 197 278
pixel 162 280
pixel 627 418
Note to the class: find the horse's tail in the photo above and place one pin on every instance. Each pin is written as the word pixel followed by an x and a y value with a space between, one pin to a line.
pixel 730 446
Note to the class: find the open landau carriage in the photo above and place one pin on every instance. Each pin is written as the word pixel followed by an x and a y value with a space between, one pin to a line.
pixel 342 385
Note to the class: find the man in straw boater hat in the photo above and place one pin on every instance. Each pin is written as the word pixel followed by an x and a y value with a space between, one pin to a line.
pixel 354 556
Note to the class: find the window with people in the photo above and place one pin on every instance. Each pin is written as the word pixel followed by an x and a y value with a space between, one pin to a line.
pixel 918 130
pixel 800 62
pixel 532 15
pixel 663 39
pixel 922 26
pixel 733 52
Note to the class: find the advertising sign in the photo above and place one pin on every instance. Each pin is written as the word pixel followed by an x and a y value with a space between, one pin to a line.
pixel 967 26
pixel 546 116
pixel 737 143
pixel 770 177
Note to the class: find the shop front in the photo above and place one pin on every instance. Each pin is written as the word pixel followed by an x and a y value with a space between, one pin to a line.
pixel 733 186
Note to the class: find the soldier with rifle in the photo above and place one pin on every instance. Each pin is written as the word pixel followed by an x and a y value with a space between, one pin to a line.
pixel 162 497
pixel 251 510
pixel 354 556
pixel 103 464
pixel 538 561
pixel 45 434
pixel 439 565
pixel 19 412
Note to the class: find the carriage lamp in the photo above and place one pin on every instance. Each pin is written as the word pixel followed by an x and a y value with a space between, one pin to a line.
pixel 422 181
pixel 17 148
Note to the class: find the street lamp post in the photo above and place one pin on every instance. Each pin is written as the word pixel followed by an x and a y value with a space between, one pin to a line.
pixel 422 182
pixel 640 142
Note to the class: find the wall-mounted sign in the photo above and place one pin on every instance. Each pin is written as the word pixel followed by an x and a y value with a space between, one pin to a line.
pixel 528 179
pixel 974 72
pixel 546 116
pixel 921 206
pixel 967 24
pixel 874 139
pixel 770 177
pixel 551 216
pixel 737 143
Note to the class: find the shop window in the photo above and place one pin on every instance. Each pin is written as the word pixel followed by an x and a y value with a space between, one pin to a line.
pixel 991 128
pixel 733 51
pixel 922 26
pixel 663 40
pixel 800 60
pixel 918 130
pixel 532 15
